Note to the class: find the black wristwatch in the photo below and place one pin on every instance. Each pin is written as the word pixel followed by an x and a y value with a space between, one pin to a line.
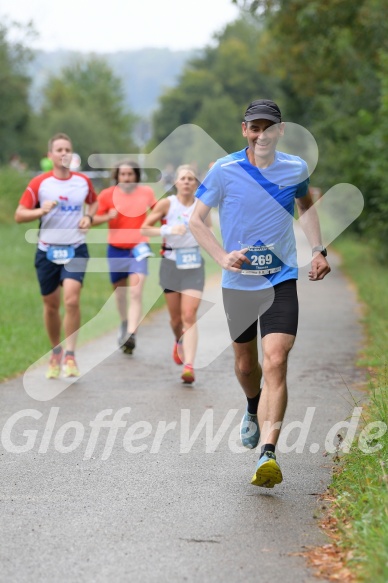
pixel 321 249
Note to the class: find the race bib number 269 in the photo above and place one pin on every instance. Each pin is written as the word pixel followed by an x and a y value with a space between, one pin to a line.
pixel 263 261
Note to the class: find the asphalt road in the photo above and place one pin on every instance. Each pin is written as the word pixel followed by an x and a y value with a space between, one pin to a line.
pixel 158 496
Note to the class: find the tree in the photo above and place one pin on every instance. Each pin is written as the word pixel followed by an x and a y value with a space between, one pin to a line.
pixel 15 110
pixel 86 101
pixel 332 59
pixel 214 89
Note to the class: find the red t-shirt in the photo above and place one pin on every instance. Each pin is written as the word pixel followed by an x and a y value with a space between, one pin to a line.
pixel 132 207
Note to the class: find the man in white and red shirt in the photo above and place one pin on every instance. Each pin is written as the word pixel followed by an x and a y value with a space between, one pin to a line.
pixel 58 198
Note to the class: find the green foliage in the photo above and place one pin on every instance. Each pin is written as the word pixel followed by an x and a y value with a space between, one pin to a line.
pixel 145 73
pixel 86 101
pixel 12 186
pixel 333 58
pixel 253 5
pixel 372 157
pixel 361 485
pixel 222 128
pixel 372 283
pixel 214 89
pixel 89 83
pixel 14 84
pixel 361 509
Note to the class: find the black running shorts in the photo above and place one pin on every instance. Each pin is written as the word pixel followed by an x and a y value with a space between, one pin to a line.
pixel 172 279
pixel 277 308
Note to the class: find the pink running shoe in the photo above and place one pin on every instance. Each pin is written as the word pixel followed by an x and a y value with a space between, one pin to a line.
pixel 177 352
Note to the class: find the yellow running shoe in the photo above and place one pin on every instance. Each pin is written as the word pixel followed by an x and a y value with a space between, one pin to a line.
pixel 268 472
pixel 70 368
pixel 188 374
pixel 54 368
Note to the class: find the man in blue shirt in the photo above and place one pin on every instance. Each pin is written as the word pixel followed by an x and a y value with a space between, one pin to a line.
pixel 255 190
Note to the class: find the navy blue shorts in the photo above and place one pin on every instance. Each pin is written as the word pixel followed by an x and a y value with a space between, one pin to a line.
pixel 50 275
pixel 122 263
pixel 277 308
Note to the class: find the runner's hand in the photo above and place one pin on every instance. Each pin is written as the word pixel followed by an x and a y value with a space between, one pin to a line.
pixel 319 267
pixel 178 229
pixel 233 261
pixel 112 214
pixel 47 206
pixel 85 223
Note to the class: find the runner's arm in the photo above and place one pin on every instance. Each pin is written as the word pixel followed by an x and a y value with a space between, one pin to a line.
pixel 105 218
pixel 159 211
pixel 24 214
pixel 309 221
pixel 206 239
pixel 88 218
pixel 105 210
pixel 208 221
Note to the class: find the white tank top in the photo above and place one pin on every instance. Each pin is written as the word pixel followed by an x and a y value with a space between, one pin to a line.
pixel 178 214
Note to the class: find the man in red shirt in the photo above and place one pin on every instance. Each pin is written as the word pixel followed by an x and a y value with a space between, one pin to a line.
pixel 57 198
pixel 124 206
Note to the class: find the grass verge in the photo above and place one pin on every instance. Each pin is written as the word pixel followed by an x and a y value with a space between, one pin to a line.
pixel 358 517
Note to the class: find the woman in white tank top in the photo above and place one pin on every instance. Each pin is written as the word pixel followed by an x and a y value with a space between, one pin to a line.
pixel 181 274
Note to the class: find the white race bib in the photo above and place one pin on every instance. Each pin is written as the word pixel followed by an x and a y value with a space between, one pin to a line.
pixel 263 261
pixel 60 254
pixel 188 258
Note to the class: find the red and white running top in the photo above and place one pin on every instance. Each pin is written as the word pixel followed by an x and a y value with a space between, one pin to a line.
pixel 60 225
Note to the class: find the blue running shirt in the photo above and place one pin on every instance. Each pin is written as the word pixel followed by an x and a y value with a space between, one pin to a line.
pixel 256 207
